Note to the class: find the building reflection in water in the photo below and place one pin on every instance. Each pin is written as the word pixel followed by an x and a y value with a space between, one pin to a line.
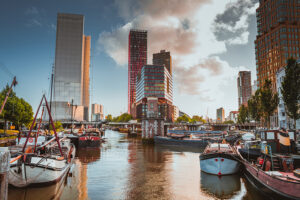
pixel 146 179
pixel 77 184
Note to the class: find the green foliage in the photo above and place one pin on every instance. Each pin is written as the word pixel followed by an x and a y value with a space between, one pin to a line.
pixel 125 117
pixel 269 101
pixel 183 118
pixel 243 115
pixel 16 110
pixel 109 118
pixel 254 106
pixel 57 125
pixel 197 118
pixel 228 122
pixel 290 90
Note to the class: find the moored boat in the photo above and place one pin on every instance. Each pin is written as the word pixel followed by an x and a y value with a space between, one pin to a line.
pixel 219 159
pixel 91 138
pixel 273 174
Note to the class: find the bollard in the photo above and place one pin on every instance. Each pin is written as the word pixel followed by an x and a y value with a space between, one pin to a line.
pixel 4 168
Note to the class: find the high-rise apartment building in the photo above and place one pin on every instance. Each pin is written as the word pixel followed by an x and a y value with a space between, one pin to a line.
pixel 220 115
pixel 163 58
pixel 137 57
pixel 278 37
pixel 71 71
pixel 244 87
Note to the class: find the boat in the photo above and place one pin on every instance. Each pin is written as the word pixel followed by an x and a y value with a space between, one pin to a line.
pixel 44 167
pixel 44 164
pixel 250 149
pixel 273 174
pixel 219 159
pixel 190 138
pixel 90 138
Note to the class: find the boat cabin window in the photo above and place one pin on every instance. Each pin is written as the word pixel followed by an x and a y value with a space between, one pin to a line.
pixel 270 136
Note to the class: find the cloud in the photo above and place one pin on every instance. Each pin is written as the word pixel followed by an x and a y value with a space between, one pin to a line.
pixel 191 31
pixel 32 11
pixel 232 25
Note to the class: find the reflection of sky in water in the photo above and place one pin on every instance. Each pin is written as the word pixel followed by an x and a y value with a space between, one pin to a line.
pixel 125 169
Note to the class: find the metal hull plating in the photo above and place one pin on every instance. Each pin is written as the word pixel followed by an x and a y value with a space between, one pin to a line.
pixel 219 164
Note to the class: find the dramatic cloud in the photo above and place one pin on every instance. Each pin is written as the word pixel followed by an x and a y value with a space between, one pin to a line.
pixel 192 31
pixel 232 25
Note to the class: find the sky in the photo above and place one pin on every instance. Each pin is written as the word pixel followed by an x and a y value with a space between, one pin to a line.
pixel 210 42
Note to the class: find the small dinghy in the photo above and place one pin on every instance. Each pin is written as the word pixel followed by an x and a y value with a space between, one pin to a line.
pixel 219 159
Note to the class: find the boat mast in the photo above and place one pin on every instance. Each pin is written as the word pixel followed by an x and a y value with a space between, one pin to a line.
pixel 72 116
pixel 51 87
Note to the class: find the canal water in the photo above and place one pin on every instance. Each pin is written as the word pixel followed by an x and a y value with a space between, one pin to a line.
pixel 124 168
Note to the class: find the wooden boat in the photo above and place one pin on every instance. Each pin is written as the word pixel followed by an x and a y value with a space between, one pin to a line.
pixel 219 159
pixel 41 165
pixel 273 174
pixel 91 138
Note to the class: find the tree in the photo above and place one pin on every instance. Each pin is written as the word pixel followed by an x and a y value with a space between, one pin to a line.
pixel 125 117
pixel 197 118
pixel 254 106
pixel 109 118
pixel 228 122
pixel 269 101
pixel 183 118
pixel 243 115
pixel 16 110
pixel 57 125
pixel 290 89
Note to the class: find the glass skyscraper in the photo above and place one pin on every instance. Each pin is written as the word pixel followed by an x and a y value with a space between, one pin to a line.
pixel 71 71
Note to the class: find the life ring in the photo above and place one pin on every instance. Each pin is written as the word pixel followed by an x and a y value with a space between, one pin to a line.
pixel 30 140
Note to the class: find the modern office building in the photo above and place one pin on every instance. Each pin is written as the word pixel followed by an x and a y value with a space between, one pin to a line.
pixel 137 58
pixel 154 81
pixel 284 121
pixel 71 70
pixel 244 87
pixel 163 58
pixel 278 37
pixel 220 115
pixel 233 116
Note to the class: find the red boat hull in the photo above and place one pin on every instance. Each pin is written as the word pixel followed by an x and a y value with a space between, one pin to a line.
pixel 272 184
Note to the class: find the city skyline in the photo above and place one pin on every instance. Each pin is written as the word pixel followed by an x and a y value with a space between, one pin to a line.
pixel 194 76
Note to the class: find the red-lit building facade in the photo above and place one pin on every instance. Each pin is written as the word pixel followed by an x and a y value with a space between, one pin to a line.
pixel 137 57
pixel 278 37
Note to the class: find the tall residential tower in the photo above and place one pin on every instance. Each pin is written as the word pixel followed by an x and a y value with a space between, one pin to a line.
pixel 137 57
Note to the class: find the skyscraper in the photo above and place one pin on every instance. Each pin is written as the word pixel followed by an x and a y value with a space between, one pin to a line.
pixel 244 87
pixel 278 37
pixel 71 71
pixel 163 58
pixel 220 115
pixel 137 57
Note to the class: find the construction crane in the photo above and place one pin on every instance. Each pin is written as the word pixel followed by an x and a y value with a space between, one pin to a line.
pixel 14 83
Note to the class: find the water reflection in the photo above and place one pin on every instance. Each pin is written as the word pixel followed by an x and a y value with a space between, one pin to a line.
pixel 124 168
pixel 220 186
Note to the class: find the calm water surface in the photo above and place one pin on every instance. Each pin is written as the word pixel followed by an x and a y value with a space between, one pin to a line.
pixel 124 168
